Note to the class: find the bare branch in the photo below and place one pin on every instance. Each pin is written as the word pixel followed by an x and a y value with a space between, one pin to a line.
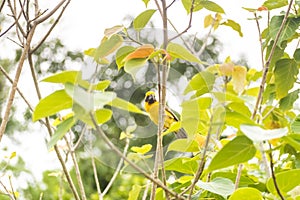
pixel 189 24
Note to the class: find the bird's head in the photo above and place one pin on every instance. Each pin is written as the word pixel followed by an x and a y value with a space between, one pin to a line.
pixel 150 97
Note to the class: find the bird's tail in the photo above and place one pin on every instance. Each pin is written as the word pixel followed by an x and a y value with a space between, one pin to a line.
pixel 181 133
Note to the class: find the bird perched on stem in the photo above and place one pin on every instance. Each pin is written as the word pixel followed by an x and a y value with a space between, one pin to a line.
pixel 152 107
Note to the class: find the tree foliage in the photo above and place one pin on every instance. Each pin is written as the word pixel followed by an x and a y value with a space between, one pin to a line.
pixel 242 123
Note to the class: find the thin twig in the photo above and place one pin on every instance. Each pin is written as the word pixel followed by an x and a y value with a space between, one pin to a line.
pixel 132 164
pixel 189 24
pixel 273 175
pixel 76 168
pixel 12 188
pixel 238 176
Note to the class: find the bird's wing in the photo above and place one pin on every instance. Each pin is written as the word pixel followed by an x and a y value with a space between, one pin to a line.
pixel 171 113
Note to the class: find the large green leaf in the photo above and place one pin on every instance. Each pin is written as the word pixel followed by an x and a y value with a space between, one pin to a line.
pixel 246 193
pixel 202 82
pixel 257 134
pixel 235 119
pixel 184 145
pixel 220 186
pixel 293 140
pixel 286 181
pixel 285 73
pixel 142 19
pixel 134 65
pixel 178 51
pixel 61 130
pixel 244 179
pixel 238 150
pixel 287 102
pixel 289 29
pixel 134 192
pixel 108 46
pixel 125 105
pixel 52 104
pixel 187 4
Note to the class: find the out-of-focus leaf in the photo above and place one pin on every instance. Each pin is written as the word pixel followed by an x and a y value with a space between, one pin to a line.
pixel 134 192
pixel 246 193
pixel 286 181
pixel 113 30
pixel 61 130
pixel 257 134
pixel 108 46
pixel 143 149
pixel 125 105
pixel 239 78
pixel 238 150
pixel 285 73
pixel 184 145
pixel 212 6
pixel 52 104
pixel 103 115
pixel 63 77
pixel 134 65
pixel 182 164
pixel 220 186
pixel 293 140
pixel 295 125
pixel 178 51
pixel 187 4
pixel 202 82
pixel 142 19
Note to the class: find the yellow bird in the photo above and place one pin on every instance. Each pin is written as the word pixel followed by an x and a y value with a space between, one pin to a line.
pixel 152 107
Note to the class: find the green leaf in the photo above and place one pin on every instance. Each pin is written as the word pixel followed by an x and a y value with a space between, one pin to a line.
pixel 103 98
pixel 235 119
pixel 80 96
pixel 297 56
pixel 113 30
pixel 277 54
pixel 293 140
pixel 212 6
pixel 187 4
pixel 134 192
pixel 257 134
pixel 134 65
pixel 287 102
pixel 108 46
pixel 63 77
pixel 273 4
pixel 52 104
pixel 143 149
pixel 220 186
pixel 246 193
pixel 142 19
pixel 193 113
pixel 125 105
pixel 244 180
pixel 234 25
pixel 184 145
pixel 146 2
pixel 61 130
pixel 295 125
pixel 286 181
pixel 103 115
pixel 178 51
pixel 238 150
pixel 121 54
pixel 285 73
pixel 289 29
pixel 182 164
pixel 202 82
pixel 101 85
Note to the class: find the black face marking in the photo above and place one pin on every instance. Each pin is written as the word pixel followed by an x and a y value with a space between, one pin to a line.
pixel 150 99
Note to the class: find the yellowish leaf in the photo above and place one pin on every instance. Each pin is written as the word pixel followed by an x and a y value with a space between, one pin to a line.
pixel 239 78
pixel 226 69
pixel 208 20
pixel 143 149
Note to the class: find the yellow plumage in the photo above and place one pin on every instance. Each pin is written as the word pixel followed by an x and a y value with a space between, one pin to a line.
pixel 152 107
